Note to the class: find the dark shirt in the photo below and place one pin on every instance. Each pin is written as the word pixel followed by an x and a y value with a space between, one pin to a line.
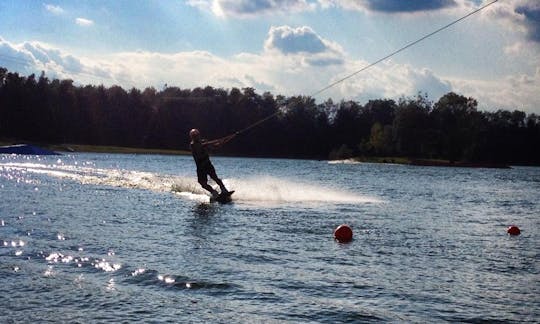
pixel 199 152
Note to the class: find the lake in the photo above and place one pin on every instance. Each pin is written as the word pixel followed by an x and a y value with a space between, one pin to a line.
pixel 125 238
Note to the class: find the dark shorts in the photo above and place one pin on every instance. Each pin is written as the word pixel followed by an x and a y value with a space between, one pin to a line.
pixel 204 170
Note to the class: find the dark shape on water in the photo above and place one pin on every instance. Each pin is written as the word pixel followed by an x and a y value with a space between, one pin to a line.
pixel 25 149
pixel 513 230
pixel 223 198
pixel 343 233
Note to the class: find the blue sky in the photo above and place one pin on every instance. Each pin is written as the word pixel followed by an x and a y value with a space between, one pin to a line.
pixel 290 47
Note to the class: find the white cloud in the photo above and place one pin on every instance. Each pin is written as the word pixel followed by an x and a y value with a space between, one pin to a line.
pixel 45 54
pixel 526 51
pixel 275 71
pixel 280 74
pixel 15 59
pixel 57 10
pixel 390 6
pixel 34 57
pixel 84 22
pixel 519 15
pixel 400 7
pixel 295 40
pixel 251 8
pixel 303 42
pixel 513 92
pixel 388 80
pixel 521 21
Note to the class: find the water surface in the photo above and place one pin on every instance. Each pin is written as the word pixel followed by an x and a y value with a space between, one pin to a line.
pixel 112 237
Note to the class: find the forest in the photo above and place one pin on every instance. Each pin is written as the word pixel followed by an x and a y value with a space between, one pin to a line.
pixel 41 110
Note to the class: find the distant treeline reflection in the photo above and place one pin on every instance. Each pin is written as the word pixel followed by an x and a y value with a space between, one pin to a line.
pixel 57 111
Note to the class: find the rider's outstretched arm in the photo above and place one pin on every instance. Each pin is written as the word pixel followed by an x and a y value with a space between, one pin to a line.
pixel 218 142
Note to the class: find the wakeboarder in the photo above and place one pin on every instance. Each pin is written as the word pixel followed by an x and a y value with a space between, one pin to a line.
pixel 204 165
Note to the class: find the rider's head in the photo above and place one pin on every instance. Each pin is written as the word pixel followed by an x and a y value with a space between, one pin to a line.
pixel 194 133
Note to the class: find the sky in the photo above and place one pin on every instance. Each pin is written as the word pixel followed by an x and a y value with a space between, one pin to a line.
pixel 288 47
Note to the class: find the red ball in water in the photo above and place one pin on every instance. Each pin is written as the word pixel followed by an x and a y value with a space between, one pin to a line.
pixel 343 233
pixel 513 230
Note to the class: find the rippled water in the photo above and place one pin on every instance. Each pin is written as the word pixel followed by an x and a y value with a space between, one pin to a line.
pixel 95 237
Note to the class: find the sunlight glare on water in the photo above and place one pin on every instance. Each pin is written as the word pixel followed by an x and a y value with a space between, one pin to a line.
pixel 259 188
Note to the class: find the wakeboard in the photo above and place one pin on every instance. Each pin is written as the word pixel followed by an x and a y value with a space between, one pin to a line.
pixel 223 198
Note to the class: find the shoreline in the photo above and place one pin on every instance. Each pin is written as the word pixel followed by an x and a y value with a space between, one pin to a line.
pixel 431 162
pixel 84 148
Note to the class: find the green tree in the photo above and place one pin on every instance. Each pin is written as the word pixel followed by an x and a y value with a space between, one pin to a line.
pixel 381 139
pixel 457 121
pixel 411 127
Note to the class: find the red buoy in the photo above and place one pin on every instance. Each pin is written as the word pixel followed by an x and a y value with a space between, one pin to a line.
pixel 343 233
pixel 513 230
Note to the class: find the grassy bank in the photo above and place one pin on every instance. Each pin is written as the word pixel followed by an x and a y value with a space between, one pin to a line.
pixel 66 148
pixel 113 149
pixel 429 162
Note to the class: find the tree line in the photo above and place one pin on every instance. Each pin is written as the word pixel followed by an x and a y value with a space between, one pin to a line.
pixel 58 111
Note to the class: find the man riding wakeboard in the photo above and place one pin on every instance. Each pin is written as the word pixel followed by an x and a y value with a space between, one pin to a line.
pixel 202 160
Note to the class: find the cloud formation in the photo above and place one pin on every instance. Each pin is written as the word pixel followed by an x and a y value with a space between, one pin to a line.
pixel 392 6
pixel 284 67
pixel 408 6
pixel 521 15
pixel 289 40
pixel 45 55
pixel 531 21
pixel 84 22
pixel 57 10
pixel 303 42
pixel 16 60
pixel 390 80
pixel 515 92
pixel 34 57
pixel 251 8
